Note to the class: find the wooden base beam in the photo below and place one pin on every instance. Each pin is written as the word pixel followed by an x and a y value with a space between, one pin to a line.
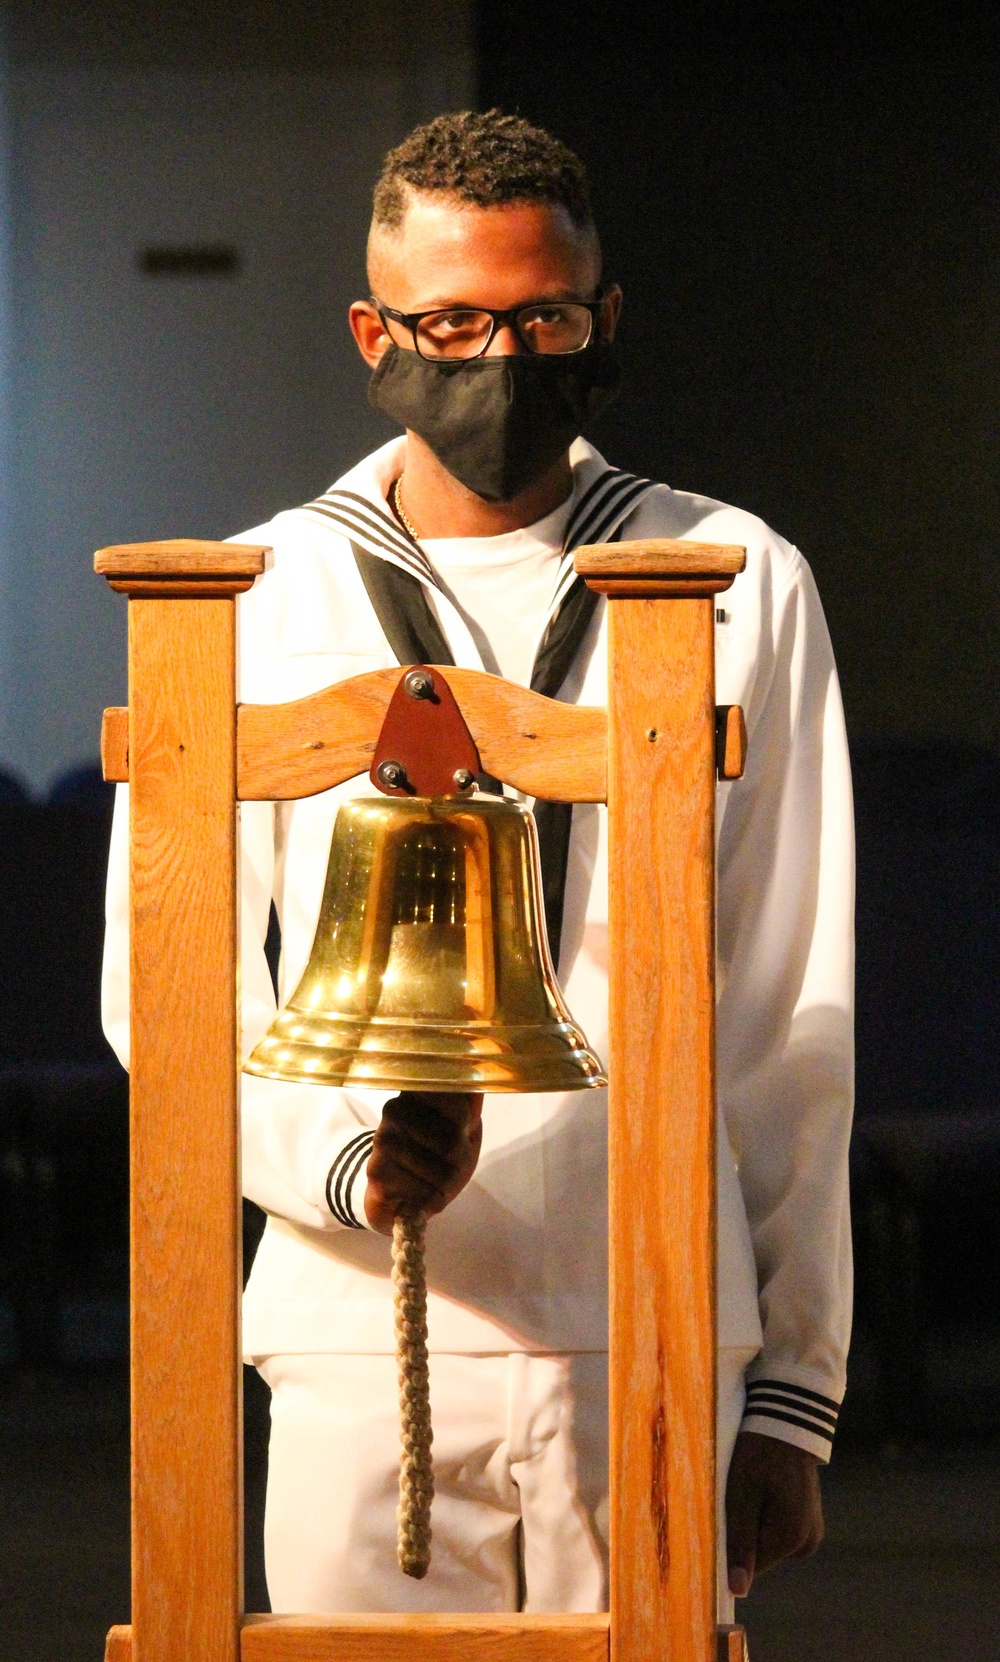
pixel 499 1638
pixel 413 1638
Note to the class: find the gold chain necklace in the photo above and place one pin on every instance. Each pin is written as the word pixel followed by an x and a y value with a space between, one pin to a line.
pixel 407 524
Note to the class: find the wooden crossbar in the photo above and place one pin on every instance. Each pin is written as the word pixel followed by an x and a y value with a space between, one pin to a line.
pixel 531 742
pixel 288 751
pixel 542 747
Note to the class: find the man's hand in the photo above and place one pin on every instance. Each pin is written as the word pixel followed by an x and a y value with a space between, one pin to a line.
pixel 424 1153
pixel 773 1507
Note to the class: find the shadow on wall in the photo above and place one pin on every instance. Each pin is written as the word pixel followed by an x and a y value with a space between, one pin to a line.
pixel 926 1152
pixel 63 1095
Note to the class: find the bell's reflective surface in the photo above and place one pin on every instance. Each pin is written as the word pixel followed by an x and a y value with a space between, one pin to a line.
pixel 430 969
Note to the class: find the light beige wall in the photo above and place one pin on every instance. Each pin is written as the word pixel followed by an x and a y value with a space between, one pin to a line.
pixel 156 407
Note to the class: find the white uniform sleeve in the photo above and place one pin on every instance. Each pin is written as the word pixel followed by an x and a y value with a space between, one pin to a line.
pixel 785 1033
pixel 305 1147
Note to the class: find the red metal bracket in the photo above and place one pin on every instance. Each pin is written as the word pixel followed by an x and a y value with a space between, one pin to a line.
pixel 425 747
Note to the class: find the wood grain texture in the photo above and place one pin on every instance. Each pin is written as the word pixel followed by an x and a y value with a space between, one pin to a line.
pixel 185 1222
pixel 661 794
pixel 425 1638
pixel 417 1638
pixel 731 747
pixel 181 557
pixel 542 747
pixel 114 745
pixel 181 569
pixel 658 558
pixel 730 741
pixel 653 588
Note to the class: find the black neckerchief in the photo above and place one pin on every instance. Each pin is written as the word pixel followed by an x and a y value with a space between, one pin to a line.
pixel 396 574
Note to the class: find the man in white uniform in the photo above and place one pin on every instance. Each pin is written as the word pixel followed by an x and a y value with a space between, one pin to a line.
pixel 490 342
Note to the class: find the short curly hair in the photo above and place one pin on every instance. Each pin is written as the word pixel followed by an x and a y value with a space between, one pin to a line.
pixel 485 158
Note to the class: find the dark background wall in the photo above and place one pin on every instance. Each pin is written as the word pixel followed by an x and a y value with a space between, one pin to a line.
pixel 802 207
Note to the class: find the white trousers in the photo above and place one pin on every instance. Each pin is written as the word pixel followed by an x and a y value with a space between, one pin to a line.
pixel 521 1483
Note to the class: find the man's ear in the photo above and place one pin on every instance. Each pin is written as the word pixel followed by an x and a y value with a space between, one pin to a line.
pixel 611 313
pixel 366 327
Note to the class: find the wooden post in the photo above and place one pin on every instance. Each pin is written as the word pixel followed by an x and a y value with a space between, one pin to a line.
pixel 661 830
pixel 187 1550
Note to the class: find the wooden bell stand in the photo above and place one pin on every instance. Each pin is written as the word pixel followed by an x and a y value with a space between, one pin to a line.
pixel 191 754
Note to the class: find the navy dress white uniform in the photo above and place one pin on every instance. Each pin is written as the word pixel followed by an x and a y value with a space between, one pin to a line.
pixel 517 1266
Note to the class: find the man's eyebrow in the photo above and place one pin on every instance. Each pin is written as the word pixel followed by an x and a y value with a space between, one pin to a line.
pixel 463 305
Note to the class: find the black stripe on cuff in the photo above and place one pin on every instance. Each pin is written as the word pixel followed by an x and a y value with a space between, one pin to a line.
pixel 778 1399
pixel 793 1391
pixel 340 1182
pixel 359 1166
pixel 750 1412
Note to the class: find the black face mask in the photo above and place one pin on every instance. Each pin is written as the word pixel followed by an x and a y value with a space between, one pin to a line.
pixel 498 423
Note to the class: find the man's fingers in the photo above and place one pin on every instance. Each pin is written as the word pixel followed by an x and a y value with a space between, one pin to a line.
pixel 457 1106
pixel 441 1139
pixel 421 1125
pixel 432 1145
pixel 743 1514
pixel 425 1151
pixel 743 1507
pixel 394 1161
pixel 813 1541
pixel 740 1580
pixel 784 1533
pixel 395 1192
pixel 792 1521
pixel 773 1503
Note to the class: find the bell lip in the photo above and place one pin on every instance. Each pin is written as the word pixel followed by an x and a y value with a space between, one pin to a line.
pixel 525 1058
pixel 407 1080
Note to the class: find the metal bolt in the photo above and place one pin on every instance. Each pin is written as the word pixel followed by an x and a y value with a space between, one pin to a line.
pixel 419 683
pixel 391 773
pixel 463 778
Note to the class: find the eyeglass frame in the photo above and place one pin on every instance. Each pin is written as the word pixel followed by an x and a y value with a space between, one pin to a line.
pixel 499 319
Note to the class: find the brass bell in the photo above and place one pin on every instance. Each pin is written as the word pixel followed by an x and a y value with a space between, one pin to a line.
pixel 430 968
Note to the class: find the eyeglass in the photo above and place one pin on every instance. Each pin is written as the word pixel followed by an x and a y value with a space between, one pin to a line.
pixel 548 327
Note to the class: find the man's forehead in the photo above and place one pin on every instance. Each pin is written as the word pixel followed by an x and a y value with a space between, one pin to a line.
pixel 450 251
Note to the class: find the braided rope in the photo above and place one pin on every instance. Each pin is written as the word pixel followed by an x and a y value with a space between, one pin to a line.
pixel 416 1471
